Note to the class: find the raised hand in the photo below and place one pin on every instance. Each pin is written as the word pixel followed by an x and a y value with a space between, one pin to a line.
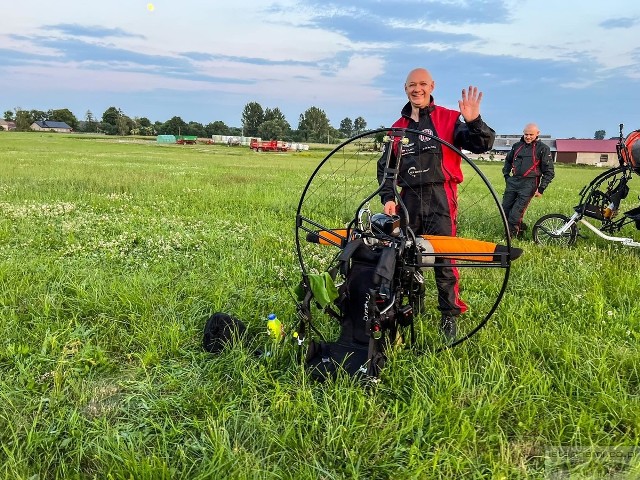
pixel 470 103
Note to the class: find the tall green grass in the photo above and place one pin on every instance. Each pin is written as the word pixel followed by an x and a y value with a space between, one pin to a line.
pixel 114 252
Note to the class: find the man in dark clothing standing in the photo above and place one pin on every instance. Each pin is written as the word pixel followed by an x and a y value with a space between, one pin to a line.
pixel 528 171
pixel 429 174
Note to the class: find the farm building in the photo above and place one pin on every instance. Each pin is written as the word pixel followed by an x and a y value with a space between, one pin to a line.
pixel 48 126
pixel 7 125
pixel 601 153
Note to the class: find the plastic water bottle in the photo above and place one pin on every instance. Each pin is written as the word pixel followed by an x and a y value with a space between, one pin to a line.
pixel 275 329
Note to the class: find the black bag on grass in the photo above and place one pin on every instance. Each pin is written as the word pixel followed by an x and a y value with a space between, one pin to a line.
pixel 221 329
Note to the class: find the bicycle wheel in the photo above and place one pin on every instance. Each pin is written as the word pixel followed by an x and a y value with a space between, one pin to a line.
pixel 545 231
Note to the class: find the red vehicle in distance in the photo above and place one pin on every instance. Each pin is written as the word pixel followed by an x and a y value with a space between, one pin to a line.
pixel 258 145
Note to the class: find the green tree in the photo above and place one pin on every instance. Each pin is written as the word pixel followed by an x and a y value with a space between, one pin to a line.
pixel 217 128
pixel 145 126
pixel 346 127
pixel 599 135
pixel 8 116
pixel 314 125
pixel 143 121
pixel 195 128
pixel 115 122
pixel 90 124
pixel 107 128
pixel 359 125
pixel 274 130
pixel 142 126
pixel 333 135
pixel 125 125
pixel 111 115
pixel 38 116
pixel 24 120
pixel 64 115
pixel 274 126
pixel 379 139
pixel 252 118
pixel 274 114
pixel 175 126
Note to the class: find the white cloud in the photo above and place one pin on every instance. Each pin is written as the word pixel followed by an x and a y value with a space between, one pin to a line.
pixel 294 65
pixel 560 31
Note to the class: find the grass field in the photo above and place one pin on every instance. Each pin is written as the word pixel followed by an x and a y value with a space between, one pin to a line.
pixel 113 252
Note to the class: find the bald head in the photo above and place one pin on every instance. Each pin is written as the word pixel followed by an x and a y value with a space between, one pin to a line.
pixel 418 87
pixel 530 132
pixel 420 73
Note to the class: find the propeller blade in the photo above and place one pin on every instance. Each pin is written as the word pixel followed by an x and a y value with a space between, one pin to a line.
pixel 458 247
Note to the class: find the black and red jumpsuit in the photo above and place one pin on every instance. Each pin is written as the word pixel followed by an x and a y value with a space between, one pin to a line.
pixel 429 176
pixel 528 168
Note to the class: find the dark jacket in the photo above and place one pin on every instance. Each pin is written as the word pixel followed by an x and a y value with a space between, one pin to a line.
pixel 426 161
pixel 530 161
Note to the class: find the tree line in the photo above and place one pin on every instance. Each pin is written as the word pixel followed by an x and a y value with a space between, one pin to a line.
pixel 267 123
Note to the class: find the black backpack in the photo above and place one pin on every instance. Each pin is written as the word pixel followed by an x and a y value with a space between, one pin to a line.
pixel 369 314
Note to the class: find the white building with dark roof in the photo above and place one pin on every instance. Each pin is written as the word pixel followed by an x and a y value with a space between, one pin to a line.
pixel 49 126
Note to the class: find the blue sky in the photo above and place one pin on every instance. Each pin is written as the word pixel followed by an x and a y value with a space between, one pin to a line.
pixel 571 66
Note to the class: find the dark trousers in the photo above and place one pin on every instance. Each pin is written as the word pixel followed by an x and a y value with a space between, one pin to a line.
pixel 432 211
pixel 516 198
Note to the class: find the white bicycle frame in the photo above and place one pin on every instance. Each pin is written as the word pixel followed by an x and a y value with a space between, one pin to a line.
pixel 576 217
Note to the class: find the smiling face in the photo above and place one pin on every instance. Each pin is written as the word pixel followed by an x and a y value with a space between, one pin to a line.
pixel 418 87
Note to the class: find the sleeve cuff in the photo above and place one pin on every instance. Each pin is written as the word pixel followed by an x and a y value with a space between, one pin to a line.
pixel 475 123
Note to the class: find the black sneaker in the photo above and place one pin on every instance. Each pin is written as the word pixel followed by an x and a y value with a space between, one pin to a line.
pixel 449 327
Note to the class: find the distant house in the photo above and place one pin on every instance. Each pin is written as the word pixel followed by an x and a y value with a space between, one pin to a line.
pixel 48 126
pixel 601 153
pixel 7 125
